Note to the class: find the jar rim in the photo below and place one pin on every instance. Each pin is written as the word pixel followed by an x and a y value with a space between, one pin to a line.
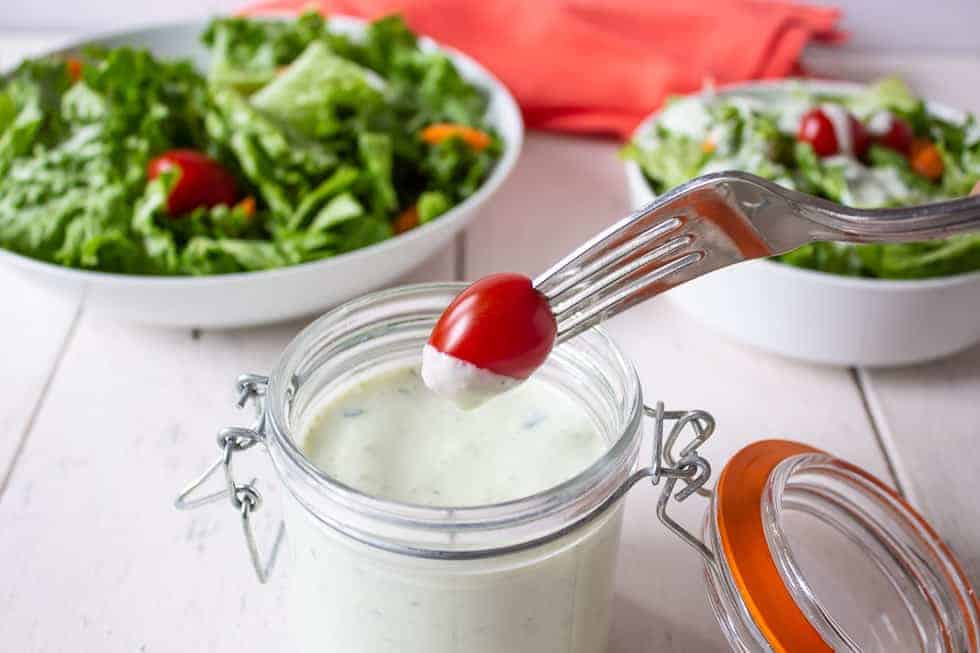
pixel 282 438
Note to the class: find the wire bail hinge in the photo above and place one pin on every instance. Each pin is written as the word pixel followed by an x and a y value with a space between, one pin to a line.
pixel 687 467
pixel 245 497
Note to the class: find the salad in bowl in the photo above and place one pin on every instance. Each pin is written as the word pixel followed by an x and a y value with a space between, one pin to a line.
pixel 879 147
pixel 297 144
pixel 868 146
pixel 244 170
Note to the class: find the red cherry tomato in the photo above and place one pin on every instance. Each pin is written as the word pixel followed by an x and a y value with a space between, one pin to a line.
pixel 898 137
pixel 817 129
pixel 501 324
pixel 202 181
pixel 860 138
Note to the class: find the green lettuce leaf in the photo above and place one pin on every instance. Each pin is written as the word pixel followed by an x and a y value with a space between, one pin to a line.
pixel 431 205
pixel 318 92
pixel 937 258
pixel 204 255
pixel 668 159
pixel 247 53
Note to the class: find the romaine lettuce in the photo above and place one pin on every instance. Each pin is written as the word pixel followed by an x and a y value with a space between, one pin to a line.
pixel 321 131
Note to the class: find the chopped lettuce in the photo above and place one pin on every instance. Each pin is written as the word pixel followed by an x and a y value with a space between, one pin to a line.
pixel 431 205
pixel 696 136
pixel 247 54
pixel 320 130
pixel 936 258
pixel 669 158
pixel 318 92
pixel 889 94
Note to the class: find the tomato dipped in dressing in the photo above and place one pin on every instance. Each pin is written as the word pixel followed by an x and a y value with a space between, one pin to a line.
pixel 493 336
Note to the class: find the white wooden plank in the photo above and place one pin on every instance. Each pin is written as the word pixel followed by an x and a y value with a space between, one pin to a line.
pixel 929 418
pixel 35 323
pixel 33 331
pixel 104 562
pixel 88 512
pixel 563 191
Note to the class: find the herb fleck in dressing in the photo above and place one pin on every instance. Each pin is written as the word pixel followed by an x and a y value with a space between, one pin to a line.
pixel 388 436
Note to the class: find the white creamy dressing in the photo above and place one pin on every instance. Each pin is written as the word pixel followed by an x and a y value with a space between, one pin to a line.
pixel 869 187
pixel 972 135
pixel 743 160
pixel 389 436
pixel 879 123
pixel 789 111
pixel 720 136
pixel 687 116
pixel 385 434
pixel 838 116
pixel 691 116
pixel 461 382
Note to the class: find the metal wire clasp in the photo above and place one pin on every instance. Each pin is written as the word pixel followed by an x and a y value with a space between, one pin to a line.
pixel 244 497
pixel 687 467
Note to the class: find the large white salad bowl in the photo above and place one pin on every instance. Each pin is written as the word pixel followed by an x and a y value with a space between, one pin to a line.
pixel 242 299
pixel 825 318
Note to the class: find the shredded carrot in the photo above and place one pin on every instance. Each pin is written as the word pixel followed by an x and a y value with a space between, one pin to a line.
pixel 441 131
pixel 407 220
pixel 247 206
pixel 925 159
pixel 74 66
pixel 708 145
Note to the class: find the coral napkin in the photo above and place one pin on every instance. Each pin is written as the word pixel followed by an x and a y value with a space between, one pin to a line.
pixel 600 66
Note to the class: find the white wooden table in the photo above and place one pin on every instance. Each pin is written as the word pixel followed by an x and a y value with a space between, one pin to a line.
pixel 101 423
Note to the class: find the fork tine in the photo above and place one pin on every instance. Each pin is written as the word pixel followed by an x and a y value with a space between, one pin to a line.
pixel 623 296
pixel 592 282
pixel 656 218
pixel 599 260
pixel 701 226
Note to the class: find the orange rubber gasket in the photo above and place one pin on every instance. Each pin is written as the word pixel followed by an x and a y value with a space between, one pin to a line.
pixel 738 498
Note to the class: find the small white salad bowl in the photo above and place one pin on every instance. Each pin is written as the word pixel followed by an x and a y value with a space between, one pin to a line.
pixel 242 299
pixel 825 318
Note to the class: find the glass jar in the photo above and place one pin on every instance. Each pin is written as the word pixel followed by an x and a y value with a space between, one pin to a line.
pixel 806 552
pixel 535 575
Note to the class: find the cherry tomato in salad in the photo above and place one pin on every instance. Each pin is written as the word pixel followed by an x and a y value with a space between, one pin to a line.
pixel 500 324
pixel 898 136
pixel 860 138
pixel 202 181
pixel 817 129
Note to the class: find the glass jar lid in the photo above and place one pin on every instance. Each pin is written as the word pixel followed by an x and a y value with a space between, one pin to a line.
pixel 811 553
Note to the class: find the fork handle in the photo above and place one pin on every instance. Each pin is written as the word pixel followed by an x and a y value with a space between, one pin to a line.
pixel 908 224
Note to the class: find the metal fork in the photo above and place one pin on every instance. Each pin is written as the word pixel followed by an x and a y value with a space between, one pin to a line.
pixel 715 221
